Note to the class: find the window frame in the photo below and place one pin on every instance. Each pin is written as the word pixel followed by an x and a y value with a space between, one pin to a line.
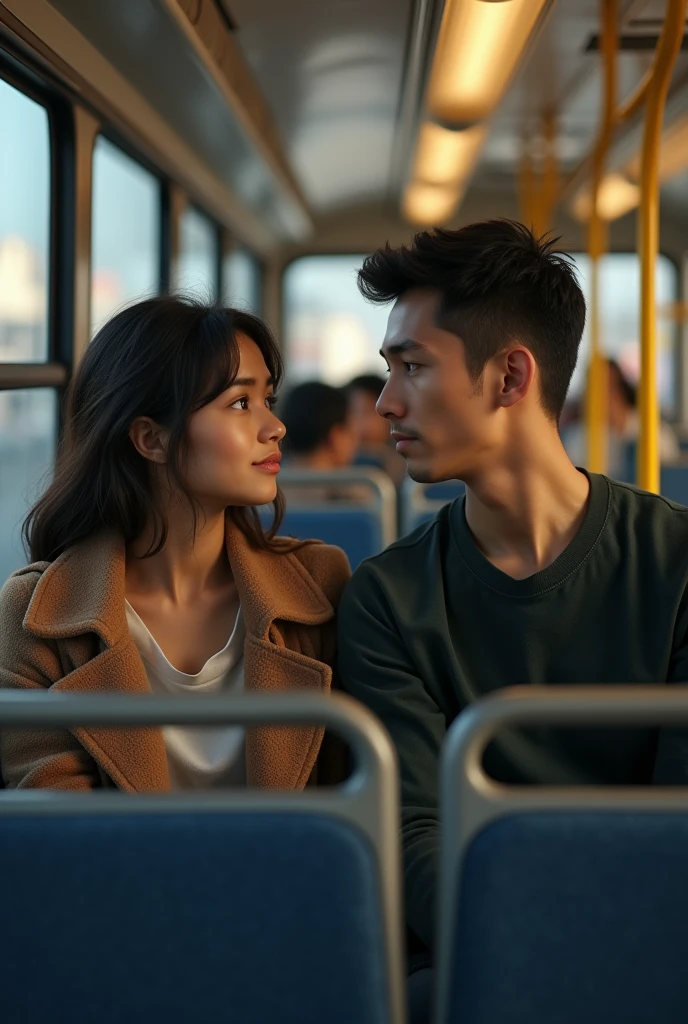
pixel 231 245
pixel 165 235
pixel 56 369
pixel 218 242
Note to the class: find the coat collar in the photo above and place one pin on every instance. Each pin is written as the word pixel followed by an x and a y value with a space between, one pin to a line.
pixel 83 590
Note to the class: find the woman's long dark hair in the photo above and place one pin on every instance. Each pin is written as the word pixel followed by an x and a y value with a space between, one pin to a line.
pixel 164 358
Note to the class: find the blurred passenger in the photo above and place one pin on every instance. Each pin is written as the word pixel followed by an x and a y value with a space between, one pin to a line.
pixel 151 575
pixel 319 432
pixel 363 392
pixel 320 438
pixel 374 442
pixel 542 574
pixel 623 428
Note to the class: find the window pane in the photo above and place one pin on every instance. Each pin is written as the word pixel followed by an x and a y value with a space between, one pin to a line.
pixel 125 232
pixel 331 332
pixel 619 287
pixel 198 256
pixel 24 228
pixel 241 278
pixel 28 434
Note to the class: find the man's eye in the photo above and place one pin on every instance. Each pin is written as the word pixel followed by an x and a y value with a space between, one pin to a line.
pixel 410 367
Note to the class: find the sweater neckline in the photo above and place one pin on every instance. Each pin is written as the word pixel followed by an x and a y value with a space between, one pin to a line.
pixel 570 559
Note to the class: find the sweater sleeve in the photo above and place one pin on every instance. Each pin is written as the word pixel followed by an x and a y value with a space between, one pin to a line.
pixel 377 668
pixel 671 763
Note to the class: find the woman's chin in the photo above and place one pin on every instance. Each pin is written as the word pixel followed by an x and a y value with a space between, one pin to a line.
pixel 264 496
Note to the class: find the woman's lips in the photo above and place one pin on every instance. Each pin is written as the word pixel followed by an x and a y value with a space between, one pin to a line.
pixel 271 464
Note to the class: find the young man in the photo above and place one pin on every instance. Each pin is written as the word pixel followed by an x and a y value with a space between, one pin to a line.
pixel 542 574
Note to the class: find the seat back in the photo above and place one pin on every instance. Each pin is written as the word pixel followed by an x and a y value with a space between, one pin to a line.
pixel 420 502
pixel 361 528
pixel 560 904
pixel 674 483
pixel 236 905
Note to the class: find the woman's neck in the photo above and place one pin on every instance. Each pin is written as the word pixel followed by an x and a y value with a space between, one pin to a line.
pixel 187 567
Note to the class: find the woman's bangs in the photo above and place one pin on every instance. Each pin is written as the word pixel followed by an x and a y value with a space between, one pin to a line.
pixel 219 357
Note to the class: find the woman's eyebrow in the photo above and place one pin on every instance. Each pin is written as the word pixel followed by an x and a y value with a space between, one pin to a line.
pixel 250 382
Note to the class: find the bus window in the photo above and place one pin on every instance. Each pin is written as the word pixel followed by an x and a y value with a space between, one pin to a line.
pixel 126 232
pixel 331 333
pixel 242 280
pixel 619 286
pixel 24 228
pixel 28 434
pixel 197 269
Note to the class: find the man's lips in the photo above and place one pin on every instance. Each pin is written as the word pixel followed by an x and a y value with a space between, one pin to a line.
pixel 402 440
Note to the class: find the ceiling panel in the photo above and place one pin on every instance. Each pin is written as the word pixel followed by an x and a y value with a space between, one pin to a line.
pixel 332 72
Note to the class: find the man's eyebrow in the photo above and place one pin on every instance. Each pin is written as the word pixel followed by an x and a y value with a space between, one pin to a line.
pixel 397 347
pixel 250 382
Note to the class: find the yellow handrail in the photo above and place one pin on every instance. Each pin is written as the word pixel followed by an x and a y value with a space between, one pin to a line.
pixel 635 101
pixel 596 391
pixel 648 240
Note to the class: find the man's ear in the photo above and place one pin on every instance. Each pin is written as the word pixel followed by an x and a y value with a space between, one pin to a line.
pixel 149 439
pixel 517 373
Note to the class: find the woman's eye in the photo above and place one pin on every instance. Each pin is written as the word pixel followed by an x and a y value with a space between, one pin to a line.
pixel 240 403
pixel 271 401
pixel 410 367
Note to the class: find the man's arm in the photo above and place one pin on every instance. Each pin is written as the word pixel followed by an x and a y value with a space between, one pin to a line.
pixel 671 763
pixel 375 667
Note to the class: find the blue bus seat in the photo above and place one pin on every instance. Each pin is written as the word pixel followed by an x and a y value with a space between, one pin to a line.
pixel 235 905
pixel 357 531
pixel 674 483
pixel 561 904
pixel 420 502
pixel 362 528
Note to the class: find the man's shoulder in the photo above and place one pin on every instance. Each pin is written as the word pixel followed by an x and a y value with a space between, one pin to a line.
pixel 642 506
pixel 409 559
pixel 655 523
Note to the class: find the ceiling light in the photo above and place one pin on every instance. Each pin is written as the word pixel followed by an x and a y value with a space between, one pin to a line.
pixel 479 46
pixel 616 196
pixel 444 156
pixel 429 205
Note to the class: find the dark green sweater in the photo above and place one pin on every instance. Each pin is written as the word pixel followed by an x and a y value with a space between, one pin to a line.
pixel 430 624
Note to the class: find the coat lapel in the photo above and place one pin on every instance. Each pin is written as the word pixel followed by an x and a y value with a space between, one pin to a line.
pixel 275 590
pixel 81 593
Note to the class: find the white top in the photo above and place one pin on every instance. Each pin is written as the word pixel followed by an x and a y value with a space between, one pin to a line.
pixel 198 757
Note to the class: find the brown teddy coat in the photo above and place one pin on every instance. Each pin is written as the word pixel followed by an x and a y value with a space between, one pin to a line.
pixel 63 627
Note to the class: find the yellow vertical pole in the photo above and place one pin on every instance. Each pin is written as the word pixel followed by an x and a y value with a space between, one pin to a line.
pixel 596 391
pixel 648 242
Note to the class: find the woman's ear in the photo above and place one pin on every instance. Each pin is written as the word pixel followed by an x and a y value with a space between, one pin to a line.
pixel 518 373
pixel 149 439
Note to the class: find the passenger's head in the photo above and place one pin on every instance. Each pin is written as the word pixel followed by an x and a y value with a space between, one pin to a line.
pixel 363 393
pixel 481 343
pixel 319 431
pixel 171 402
pixel 622 396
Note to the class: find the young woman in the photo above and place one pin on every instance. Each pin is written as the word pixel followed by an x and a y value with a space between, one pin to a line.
pixel 151 571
